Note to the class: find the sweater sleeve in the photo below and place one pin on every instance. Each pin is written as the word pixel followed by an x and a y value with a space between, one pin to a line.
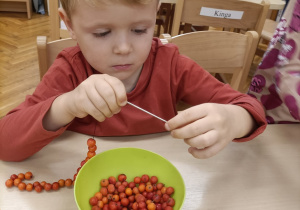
pixel 198 86
pixel 21 130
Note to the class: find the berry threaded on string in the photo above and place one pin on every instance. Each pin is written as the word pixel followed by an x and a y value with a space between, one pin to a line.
pixel 18 180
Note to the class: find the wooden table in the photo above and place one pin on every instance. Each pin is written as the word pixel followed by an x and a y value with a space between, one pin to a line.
pixel 259 174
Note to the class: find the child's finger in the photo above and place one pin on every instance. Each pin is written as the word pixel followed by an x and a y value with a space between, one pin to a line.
pixel 94 112
pixel 195 128
pixel 216 144
pixel 185 117
pixel 118 88
pixel 98 103
pixel 207 152
pixel 204 140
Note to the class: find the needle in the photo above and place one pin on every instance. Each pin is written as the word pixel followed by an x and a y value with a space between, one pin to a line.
pixel 146 111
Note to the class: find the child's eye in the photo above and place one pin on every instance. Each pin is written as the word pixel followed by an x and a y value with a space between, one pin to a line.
pixel 101 34
pixel 139 31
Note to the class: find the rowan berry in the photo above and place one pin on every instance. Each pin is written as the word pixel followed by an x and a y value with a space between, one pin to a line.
pixel 55 186
pixel 137 180
pixel 171 202
pixel 115 197
pixel 14 176
pixel 29 187
pixel 149 188
pixel 91 142
pixel 153 179
pixel 112 205
pixel 68 182
pixel 151 206
pixel 48 187
pixel 145 178
pixel 100 204
pixel 128 191
pixel 93 201
pixel 121 188
pixel 36 183
pixel 98 195
pixel 61 182
pixel 9 183
pixel 92 148
pixel 122 177
pixel 170 190
pixel 125 202
pixel 91 154
pixel 22 186
pixel 104 191
pixel 17 181
pixel 105 200
pixel 112 180
pixel 159 186
pixel 135 206
pixel 104 182
pixel 38 188
pixel 28 175
pixel 21 176
pixel 111 188
pixel 141 188
pixel 96 208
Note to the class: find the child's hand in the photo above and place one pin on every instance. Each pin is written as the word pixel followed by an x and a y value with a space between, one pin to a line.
pixel 100 96
pixel 209 127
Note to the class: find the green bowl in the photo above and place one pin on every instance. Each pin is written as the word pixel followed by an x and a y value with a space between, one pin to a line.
pixel 132 162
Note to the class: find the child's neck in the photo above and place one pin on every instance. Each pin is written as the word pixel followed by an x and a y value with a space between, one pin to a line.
pixel 131 82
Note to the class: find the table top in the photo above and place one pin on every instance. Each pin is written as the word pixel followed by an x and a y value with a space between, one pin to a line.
pixel 259 174
pixel 274 4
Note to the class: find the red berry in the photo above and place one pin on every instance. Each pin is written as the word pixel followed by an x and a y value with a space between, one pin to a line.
pixel 28 175
pixel 14 176
pixel 91 142
pixel 38 188
pixel 9 183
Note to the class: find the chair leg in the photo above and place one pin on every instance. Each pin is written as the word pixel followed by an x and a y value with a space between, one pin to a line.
pixel 29 8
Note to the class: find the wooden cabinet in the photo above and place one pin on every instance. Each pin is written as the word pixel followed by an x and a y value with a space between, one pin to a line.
pixel 17 6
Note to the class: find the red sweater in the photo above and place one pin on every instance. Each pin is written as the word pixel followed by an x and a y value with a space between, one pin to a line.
pixel 166 78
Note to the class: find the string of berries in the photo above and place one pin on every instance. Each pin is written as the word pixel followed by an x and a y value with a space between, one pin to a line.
pixel 18 180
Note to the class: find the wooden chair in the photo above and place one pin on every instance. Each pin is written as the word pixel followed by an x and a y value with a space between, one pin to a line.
pixel 57 31
pixel 219 51
pixel 164 18
pixel 47 51
pixel 269 28
pixel 266 35
pixel 253 15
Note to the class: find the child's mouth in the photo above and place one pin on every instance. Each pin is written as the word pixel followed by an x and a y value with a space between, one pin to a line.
pixel 122 67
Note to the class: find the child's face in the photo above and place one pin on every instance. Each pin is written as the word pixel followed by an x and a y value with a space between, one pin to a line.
pixel 116 38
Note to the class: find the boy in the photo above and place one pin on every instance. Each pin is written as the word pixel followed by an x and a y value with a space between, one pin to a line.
pixel 118 60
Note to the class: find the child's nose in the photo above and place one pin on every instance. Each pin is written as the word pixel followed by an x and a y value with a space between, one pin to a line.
pixel 123 46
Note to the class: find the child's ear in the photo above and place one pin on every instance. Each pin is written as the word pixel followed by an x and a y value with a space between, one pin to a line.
pixel 63 15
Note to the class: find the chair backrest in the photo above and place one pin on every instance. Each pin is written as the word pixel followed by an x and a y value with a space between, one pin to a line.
pixel 238 14
pixel 48 51
pixel 219 52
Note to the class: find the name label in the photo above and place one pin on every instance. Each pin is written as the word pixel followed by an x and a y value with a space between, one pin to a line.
pixel 221 13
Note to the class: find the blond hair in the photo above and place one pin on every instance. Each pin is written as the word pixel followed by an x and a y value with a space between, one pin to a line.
pixel 69 5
